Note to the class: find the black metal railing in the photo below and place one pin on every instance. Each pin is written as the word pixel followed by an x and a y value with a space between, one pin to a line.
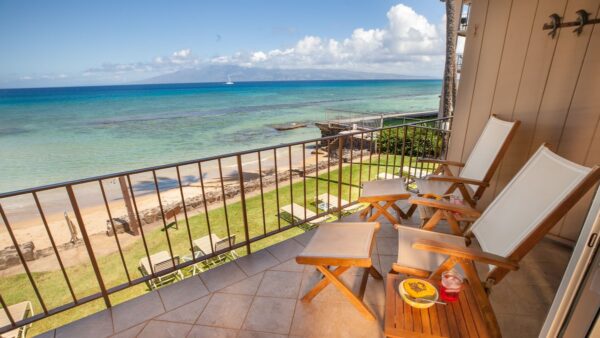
pixel 140 204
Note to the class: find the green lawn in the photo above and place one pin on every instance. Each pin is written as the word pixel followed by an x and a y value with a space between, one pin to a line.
pixel 54 289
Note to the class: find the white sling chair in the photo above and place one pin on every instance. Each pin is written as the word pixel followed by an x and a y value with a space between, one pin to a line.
pixel 539 195
pixel 468 186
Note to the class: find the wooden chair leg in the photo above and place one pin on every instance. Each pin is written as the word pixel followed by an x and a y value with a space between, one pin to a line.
pixel 383 210
pixel 375 273
pixel 358 303
pixel 323 282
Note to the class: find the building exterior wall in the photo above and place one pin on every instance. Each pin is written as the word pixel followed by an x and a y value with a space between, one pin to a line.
pixel 514 69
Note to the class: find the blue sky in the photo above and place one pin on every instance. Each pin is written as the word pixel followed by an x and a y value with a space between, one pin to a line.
pixel 83 42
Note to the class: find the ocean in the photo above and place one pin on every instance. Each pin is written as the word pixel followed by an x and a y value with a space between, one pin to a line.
pixel 51 135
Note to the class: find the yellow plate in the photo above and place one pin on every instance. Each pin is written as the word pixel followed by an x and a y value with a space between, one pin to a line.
pixel 418 305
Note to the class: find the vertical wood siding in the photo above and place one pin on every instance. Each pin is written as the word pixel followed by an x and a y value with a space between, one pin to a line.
pixel 512 68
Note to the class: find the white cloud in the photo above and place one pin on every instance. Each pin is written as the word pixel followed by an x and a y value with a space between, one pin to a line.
pixel 410 44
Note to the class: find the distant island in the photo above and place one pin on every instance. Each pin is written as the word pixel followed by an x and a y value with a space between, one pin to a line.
pixel 221 73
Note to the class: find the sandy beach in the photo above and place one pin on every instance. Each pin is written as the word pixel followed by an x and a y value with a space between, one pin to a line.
pixel 28 226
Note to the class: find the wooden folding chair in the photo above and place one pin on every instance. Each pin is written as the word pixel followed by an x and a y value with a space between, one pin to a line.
pixel 343 245
pixel 468 186
pixel 539 195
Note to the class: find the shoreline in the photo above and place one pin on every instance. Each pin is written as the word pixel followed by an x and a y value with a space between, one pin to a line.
pixel 30 227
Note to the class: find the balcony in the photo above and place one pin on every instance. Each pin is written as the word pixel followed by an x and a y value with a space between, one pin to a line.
pixel 258 296
pixel 229 227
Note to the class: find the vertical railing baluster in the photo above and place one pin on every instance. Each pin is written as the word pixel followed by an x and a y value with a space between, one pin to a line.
pixel 243 202
pixel 185 214
pixel 378 143
pixel 23 261
pixel 329 175
pixel 212 245
pixel 362 140
pixel 291 182
pixel 224 201
pixel 372 147
pixel 403 151
pixel 341 141
pixel 424 150
pixel 114 229
pixel 88 245
pixel 351 137
pixel 262 194
pixel 317 175
pixel 394 169
pixel 162 213
pixel 387 152
pixel 304 177
pixel 54 248
pixel 277 189
pixel 139 219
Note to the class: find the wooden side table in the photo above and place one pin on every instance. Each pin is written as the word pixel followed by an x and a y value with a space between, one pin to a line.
pixel 457 319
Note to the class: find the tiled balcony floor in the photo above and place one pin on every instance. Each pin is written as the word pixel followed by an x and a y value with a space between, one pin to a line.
pixel 258 296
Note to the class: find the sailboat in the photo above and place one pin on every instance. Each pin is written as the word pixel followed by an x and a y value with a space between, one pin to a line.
pixel 229 82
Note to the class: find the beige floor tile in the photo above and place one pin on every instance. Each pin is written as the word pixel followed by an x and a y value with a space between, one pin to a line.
pixel 387 246
pixel 387 231
pixel 96 325
pixel 282 284
pixel 160 329
pixel 187 313
pixel 289 265
pixel 521 326
pixel 222 276
pixel 333 320
pixel 257 262
pixel 305 237
pixel 199 331
pixel 285 250
pixel 137 310
pixel 255 334
pixel 385 263
pixel 225 310
pixel 131 332
pixel 248 286
pixel 182 292
pixel 269 314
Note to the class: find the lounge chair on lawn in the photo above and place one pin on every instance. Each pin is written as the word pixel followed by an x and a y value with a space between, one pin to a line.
pixel 468 186
pixel 207 245
pixel 328 202
pixel 18 312
pixel 539 195
pixel 295 213
pixel 158 262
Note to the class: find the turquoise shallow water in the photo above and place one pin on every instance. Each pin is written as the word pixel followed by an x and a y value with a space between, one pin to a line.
pixel 58 134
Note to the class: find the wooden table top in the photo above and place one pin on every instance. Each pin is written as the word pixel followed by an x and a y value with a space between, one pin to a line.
pixel 457 319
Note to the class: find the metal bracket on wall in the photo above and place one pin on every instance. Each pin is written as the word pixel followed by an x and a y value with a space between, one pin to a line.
pixel 583 18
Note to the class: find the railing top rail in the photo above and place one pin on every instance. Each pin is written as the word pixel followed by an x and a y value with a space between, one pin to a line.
pixel 205 159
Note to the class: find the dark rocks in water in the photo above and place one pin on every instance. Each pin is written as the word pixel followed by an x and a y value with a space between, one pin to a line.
pixel 288 126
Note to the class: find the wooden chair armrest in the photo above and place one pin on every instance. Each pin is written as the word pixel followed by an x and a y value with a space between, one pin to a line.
pixel 455 179
pixel 465 253
pixel 441 204
pixel 438 161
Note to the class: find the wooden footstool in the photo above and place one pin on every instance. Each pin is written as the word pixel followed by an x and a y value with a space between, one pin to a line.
pixel 343 245
pixel 457 319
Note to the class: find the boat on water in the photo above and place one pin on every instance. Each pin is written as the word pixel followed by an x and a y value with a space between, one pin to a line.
pixel 229 82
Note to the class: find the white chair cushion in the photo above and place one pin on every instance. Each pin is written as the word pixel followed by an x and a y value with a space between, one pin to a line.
pixel 383 188
pixel 341 240
pixel 421 259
